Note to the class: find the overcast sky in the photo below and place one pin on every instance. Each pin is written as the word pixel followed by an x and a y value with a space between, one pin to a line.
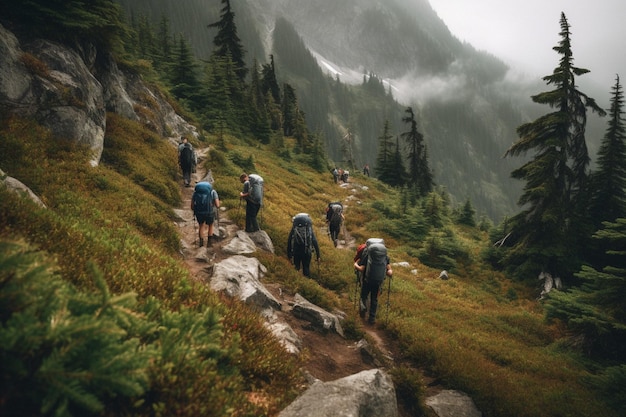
pixel 523 32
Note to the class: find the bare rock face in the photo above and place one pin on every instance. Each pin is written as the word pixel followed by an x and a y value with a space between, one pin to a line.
pixel 53 84
pixel 367 394
pixel 69 91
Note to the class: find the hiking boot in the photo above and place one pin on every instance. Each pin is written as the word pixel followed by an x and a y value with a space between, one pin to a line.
pixel 201 242
pixel 362 309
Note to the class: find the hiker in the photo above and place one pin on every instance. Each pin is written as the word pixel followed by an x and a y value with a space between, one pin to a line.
pixel 374 266
pixel 253 194
pixel 334 219
pixel 301 242
pixel 335 175
pixel 204 202
pixel 344 176
pixel 186 160
pixel 366 170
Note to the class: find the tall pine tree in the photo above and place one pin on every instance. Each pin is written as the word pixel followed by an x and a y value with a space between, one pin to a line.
pixel 227 42
pixel 545 233
pixel 420 175
pixel 609 180
pixel 385 159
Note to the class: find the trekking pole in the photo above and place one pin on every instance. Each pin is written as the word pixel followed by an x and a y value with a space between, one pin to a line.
pixel 388 302
pixel 318 269
pixel 195 234
pixel 356 289
pixel 217 216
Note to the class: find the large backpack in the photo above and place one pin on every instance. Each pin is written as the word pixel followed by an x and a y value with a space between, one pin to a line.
pixel 334 213
pixel 202 198
pixel 376 267
pixel 302 235
pixel 186 156
pixel 256 188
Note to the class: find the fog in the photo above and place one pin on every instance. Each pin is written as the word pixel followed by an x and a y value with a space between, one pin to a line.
pixel 523 33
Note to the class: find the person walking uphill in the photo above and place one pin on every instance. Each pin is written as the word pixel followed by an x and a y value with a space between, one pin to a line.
pixel 186 160
pixel 253 194
pixel 204 202
pixel 301 242
pixel 374 264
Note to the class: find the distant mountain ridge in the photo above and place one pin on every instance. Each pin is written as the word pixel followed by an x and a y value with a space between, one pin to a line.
pixel 462 101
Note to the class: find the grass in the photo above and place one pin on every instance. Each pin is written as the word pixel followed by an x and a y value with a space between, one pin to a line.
pixel 478 331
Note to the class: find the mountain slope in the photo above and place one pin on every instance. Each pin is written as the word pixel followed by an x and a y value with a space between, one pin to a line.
pixel 466 109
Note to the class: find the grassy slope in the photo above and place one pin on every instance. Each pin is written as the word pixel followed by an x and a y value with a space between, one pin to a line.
pixel 476 332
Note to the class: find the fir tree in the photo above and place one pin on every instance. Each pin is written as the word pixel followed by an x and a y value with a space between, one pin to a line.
pixel 385 158
pixel 544 232
pixel 467 216
pixel 183 76
pixel 397 171
pixel 268 80
pixel 595 312
pixel 420 175
pixel 227 42
pixel 609 180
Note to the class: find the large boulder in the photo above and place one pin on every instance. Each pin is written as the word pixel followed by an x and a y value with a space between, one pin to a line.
pixel 367 394
pixel 451 403
pixel 317 316
pixel 239 277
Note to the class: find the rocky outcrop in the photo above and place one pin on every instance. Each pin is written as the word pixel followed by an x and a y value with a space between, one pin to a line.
pixel 318 317
pixel 239 277
pixel 367 394
pixel 17 186
pixel 451 403
pixel 69 91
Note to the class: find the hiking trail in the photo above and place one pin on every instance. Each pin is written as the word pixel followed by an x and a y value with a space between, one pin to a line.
pixel 328 356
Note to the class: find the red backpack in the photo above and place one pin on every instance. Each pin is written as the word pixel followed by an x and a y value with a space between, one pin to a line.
pixel 359 251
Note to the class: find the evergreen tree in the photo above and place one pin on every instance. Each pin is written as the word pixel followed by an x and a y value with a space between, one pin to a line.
pixel 268 80
pixel 289 107
pixel 595 312
pixel 467 216
pixel 385 158
pixel 397 171
pixel 260 119
pixel 227 41
pixel 163 43
pixel 420 175
pixel 544 232
pixel 183 75
pixel 609 180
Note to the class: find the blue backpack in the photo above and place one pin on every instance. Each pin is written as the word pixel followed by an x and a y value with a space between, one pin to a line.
pixel 202 198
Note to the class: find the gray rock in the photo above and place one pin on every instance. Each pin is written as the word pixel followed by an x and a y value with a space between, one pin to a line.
pixel 17 186
pixel 287 337
pixel 367 394
pixel 239 277
pixel 317 316
pixel 451 403
pixel 240 245
pixel 262 240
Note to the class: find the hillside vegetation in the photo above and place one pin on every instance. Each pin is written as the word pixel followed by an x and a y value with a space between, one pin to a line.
pixel 100 315
pixel 108 233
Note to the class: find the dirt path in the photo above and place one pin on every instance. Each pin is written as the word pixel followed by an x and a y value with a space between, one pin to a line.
pixel 327 356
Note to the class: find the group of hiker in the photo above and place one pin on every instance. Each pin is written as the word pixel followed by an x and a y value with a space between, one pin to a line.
pixel 371 262
pixel 340 174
